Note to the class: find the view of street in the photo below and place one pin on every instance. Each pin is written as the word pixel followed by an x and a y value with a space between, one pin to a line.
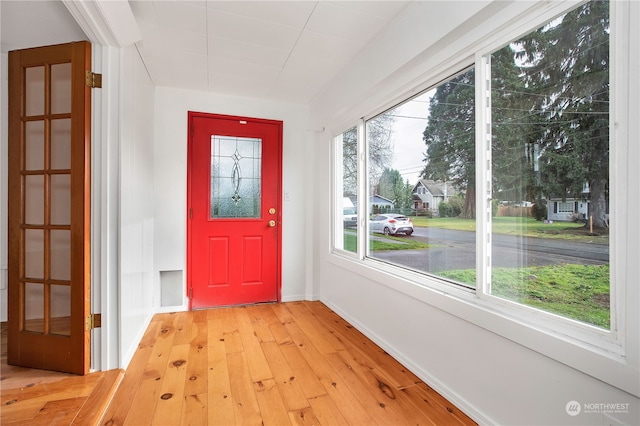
pixel 453 250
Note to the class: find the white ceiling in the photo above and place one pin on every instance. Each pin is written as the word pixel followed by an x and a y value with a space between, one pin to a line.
pixel 280 50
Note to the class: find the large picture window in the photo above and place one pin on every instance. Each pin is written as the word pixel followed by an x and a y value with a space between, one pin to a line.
pixel 421 170
pixel 550 147
pixel 496 180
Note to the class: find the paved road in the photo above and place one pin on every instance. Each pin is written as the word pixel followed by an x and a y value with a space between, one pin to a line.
pixel 456 250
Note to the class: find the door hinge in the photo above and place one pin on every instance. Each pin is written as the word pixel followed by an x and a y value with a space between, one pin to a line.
pixel 93 321
pixel 190 292
pixel 190 213
pixel 94 79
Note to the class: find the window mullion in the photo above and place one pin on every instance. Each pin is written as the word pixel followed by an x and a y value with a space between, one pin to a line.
pixel 483 175
pixel 337 184
pixel 362 202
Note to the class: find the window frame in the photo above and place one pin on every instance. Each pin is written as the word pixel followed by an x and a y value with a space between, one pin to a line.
pixel 608 355
pixel 337 185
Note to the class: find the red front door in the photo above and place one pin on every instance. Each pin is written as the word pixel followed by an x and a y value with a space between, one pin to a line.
pixel 233 222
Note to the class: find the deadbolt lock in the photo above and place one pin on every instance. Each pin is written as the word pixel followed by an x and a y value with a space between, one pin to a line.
pixel 272 223
pixel 272 211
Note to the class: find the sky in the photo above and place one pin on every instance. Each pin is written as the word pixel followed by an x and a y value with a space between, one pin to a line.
pixel 411 120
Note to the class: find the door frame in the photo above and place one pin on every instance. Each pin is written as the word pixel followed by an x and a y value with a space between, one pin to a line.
pixel 190 142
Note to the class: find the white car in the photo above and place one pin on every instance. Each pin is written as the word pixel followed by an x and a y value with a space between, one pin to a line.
pixel 391 224
pixel 350 218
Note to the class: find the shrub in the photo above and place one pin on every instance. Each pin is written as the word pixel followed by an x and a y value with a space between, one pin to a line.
pixel 539 211
pixel 444 209
pixel 457 205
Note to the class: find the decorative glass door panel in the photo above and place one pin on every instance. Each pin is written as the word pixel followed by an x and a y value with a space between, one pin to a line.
pixel 235 177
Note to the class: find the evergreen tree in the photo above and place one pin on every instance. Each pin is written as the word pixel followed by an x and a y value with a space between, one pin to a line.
pixel 513 143
pixel 387 184
pixel 405 199
pixel 392 187
pixel 550 103
pixel 450 137
pixel 566 65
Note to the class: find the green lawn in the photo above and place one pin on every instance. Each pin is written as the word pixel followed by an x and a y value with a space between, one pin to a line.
pixel 580 292
pixel 526 226
pixel 384 243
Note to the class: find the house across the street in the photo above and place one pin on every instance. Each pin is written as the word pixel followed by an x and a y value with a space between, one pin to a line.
pixel 428 194
pixel 378 203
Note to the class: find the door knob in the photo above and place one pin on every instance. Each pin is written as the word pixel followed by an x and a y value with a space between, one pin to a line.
pixel 272 223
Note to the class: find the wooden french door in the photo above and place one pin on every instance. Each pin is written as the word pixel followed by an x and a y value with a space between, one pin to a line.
pixel 234 216
pixel 49 201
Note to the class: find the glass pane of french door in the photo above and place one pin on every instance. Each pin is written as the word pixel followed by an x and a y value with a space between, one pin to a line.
pixel 46 183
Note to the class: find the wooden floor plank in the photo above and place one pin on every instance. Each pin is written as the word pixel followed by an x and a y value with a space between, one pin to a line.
pixel 285 378
pixel 258 315
pixel 140 391
pixel 150 348
pixel 194 410
pixel 219 401
pixel 21 413
pixel 427 394
pixel 183 328
pixel 272 408
pixel 149 381
pixel 333 384
pixel 197 360
pixel 230 331
pixel 169 406
pixel 96 404
pixel 276 324
pixel 258 365
pixel 245 402
pixel 321 336
pixel 143 402
pixel 367 352
pixel 380 401
pixel 66 387
pixel 326 410
pixel 304 417
pixel 58 412
pixel 302 371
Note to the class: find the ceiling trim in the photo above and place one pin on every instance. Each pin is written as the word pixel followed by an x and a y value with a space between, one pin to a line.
pixel 108 23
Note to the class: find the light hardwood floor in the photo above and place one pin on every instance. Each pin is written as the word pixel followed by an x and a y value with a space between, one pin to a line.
pixel 37 397
pixel 278 364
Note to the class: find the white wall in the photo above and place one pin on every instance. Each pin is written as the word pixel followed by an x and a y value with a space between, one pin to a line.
pixel 136 295
pixel 170 150
pixel 445 340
